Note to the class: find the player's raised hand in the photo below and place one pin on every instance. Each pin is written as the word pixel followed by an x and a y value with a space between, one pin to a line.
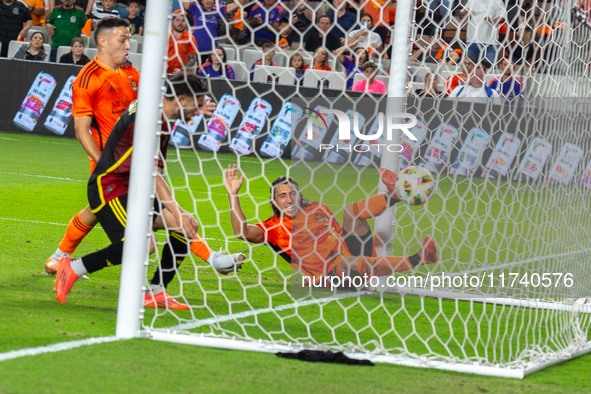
pixel 208 107
pixel 232 182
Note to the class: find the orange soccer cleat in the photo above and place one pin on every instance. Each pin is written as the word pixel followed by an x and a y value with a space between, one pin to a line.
pixel 66 277
pixel 428 251
pixel 163 300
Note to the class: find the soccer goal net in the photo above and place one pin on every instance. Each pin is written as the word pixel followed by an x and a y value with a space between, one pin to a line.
pixel 482 107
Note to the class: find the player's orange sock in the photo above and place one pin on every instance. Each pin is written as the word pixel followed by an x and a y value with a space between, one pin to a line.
pixel 201 248
pixel 75 233
pixel 369 207
pixel 382 266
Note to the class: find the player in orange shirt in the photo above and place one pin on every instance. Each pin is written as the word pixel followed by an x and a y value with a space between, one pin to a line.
pixel 182 46
pixel 102 91
pixel 312 241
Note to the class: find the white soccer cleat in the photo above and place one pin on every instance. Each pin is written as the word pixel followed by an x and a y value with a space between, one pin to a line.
pixel 226 263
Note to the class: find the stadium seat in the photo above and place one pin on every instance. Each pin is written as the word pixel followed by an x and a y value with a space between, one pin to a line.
pixel 230 52
pixel 90 52
pixel 134 45
pixel 262 73
pixel 62 50
pixel 86 41
pixel 334 80
pixel 14 45
pixel 250 56
pixel 136 60
pixel 240 71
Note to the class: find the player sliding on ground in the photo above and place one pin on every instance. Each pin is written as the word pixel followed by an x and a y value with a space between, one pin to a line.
pixel 308 236
pixel 107 195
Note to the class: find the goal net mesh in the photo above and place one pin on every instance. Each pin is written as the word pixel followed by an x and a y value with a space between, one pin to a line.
pixel 510 156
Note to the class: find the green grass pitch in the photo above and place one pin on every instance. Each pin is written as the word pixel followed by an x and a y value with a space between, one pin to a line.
pixel 43 183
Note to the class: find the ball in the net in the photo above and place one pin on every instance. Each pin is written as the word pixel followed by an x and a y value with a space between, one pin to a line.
pixel 415 185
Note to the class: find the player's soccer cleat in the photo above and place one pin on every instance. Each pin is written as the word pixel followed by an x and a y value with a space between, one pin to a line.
pixel 51 266
pixel 389 179
pixel 226 263
pixel 428 251
pixel 163 300
pixel 66 277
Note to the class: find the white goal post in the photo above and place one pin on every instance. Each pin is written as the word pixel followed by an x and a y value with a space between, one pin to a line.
pixel 511 210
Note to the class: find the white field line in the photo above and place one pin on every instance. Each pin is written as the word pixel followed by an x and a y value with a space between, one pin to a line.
pixel 242 315
pixel 57 347
pixel 9 139
pixel 43 176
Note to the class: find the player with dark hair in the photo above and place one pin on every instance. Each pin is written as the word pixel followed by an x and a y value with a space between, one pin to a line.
pixel 102 91
pixel 312 241
pixel 107 194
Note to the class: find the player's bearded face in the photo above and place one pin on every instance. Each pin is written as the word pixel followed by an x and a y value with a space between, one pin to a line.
pixel 286 200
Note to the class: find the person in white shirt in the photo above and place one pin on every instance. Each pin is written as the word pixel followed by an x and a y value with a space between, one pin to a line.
pixel 367 39
pixel 475 90
pixel 482 36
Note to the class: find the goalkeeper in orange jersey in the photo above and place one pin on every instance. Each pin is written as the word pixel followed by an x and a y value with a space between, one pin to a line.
pixel 309 237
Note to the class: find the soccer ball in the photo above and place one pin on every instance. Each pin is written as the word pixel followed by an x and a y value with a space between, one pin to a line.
pixel 415 185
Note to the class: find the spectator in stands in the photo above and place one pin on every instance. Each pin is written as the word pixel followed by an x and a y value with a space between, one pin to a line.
pixel 453 58
pixel 435 51
pixel 285 34
pixel 76 55
pixel 368 39
pixel 321 37
pixel 484 17
pixel 296 61
pixel 33 51
pixel 216 67
pixel 523 48
pixel 65 23
pixel 136 22
pixel 475 89
pixel 267 60
pixel 353 65
pixel 264 19
pixel 345 20
pixel 302 16
pixel 207 18
pixel 13 14
pixel 86 6
pixel 379 10
pixel 37 10
pixel 369 84
pixel 437 13
pixel 507 86
pixel 182 46
pixel 459 79
pixel 320 61
pixel 430 89
pixel 103 11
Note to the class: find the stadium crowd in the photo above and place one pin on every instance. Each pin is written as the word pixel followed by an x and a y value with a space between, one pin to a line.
pixel 460 48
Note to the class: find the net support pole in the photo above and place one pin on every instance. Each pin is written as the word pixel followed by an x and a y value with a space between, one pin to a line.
pixel 395 104
pixel 141 185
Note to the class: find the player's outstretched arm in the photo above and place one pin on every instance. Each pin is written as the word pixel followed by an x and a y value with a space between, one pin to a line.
pixel 184 220
pixel 82 126
pixel 241 229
